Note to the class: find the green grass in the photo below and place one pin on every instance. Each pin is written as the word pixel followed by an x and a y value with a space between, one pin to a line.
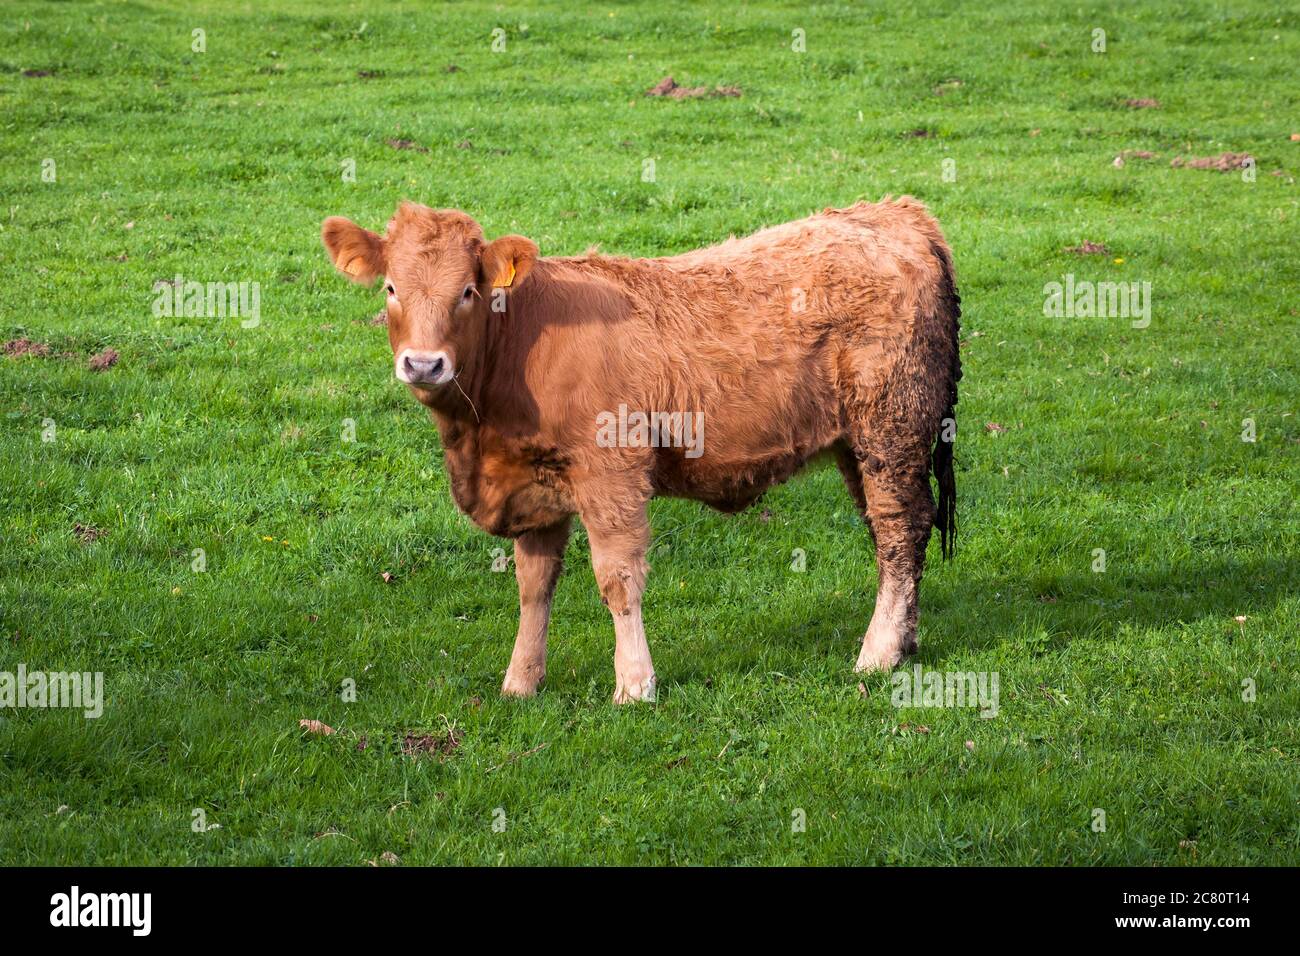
pixel 1120 690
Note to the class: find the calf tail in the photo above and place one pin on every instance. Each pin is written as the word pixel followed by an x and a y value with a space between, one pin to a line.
pixel 945 518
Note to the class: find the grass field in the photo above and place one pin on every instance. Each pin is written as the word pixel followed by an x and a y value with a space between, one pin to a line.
pixel 1127 690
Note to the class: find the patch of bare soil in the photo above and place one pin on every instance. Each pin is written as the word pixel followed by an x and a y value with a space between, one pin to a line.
pixel 15 348
pixel 1128 154
pixel 443 745
pixel 87 534
pixel 1142 104
pixel 406 144
pixel 668 87
pixel 104 360
pixel 1224 162
pixel 1087 248
pixel 380 318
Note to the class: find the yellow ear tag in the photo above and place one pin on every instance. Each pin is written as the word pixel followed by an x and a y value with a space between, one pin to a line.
pixel 505 279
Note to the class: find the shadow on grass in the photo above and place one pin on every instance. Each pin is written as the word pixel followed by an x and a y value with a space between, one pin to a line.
pixel 966 609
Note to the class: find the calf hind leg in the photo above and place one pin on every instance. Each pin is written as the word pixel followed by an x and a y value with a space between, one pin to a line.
pixel 901 512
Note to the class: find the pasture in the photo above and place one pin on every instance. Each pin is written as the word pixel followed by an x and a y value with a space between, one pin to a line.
pixel 240 519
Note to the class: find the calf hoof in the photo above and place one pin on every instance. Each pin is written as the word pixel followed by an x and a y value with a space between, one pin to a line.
pixel 883 657
pixel 516 686
pixel 636 688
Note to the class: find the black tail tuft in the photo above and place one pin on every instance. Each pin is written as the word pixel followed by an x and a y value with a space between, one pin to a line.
pixel 946 517
pixel 942 460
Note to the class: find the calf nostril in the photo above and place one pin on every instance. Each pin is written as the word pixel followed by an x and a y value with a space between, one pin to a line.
pixel 418 368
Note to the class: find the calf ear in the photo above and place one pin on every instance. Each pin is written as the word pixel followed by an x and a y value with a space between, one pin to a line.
pixel 506 261
pixel 357 252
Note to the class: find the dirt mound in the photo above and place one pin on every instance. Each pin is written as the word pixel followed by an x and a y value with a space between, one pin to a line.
pixel 1087 248
pixel 104 360
pixel 668 87
pixel 406 144
pixel 414 745
pixel 1224 162
pixel 18 347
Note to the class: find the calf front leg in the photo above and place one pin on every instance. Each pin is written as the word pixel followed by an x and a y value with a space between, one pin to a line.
pixel 618 547
pixel 539 557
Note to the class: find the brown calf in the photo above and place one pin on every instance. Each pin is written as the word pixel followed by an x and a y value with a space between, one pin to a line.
pixel 554 382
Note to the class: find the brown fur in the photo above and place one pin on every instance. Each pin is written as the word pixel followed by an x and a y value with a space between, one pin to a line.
pixel 833 334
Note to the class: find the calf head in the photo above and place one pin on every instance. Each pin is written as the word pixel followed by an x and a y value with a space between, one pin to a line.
pixel 443 281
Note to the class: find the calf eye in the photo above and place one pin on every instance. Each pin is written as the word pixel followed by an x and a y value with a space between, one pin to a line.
pixel 389 288
pixel 468 293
